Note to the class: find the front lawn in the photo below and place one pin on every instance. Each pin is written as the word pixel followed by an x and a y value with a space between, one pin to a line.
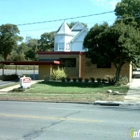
pixel 68 92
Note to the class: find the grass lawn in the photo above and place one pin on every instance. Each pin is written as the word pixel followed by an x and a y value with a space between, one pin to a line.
pixel 68 92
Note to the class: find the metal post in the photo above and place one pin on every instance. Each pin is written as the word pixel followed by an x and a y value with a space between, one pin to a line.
pixel 16 69
pixel 34 73
pixel 3 69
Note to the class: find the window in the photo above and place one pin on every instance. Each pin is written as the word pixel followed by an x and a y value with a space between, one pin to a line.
pixel 61 46
pixel 68 62
pixel 107 65
pixel 67 46
pixel 56 46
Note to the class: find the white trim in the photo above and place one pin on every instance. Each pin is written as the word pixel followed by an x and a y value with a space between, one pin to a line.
pixel 85 29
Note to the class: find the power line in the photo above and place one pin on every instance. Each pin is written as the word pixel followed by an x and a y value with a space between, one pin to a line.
pixel 65 18
pixel 57 27
pixel 87 23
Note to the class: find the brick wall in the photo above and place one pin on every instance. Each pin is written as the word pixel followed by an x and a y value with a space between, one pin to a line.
pixel 72 72
pixel 90 70
pixel 84 68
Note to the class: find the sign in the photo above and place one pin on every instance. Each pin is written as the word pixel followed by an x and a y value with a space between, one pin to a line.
pixel 25 82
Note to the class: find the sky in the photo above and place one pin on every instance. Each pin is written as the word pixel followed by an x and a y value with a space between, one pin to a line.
pixel 37 11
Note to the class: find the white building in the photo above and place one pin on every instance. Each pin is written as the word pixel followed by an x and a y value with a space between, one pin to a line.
pixel 68 40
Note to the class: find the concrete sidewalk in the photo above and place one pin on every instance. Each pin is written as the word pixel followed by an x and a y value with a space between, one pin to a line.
pixel 16 86
pixel 133 95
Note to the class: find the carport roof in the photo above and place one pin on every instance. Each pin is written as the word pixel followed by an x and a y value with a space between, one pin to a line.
pixel 30 62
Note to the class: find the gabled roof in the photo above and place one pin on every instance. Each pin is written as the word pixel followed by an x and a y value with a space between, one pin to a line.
pixel 84 29
pixel 64 29
pixel 77 27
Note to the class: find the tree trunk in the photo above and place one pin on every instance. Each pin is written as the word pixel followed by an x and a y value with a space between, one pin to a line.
pixel 118 70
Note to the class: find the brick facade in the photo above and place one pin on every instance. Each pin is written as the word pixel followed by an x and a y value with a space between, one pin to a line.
pixel 84 68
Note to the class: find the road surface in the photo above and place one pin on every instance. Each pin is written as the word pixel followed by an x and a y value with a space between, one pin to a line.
pixel 60 121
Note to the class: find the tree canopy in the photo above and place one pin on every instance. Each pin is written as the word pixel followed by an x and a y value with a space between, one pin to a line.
pixel 73 23
pixel 46 42
pixel 18 53
pixel 32 48
pixel 8 39
pixel 129 12
pixel 117 44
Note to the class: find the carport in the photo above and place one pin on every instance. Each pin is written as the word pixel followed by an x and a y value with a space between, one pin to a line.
pixel 31 63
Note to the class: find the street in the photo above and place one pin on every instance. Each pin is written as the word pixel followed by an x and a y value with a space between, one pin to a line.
pixel 64 121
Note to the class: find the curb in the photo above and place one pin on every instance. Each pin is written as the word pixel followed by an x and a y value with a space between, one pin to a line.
pixel 116 103
pixel 108 103
pixel 101 103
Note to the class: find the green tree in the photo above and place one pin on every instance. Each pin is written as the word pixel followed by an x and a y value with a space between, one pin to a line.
pixel 73 23
pixel 46 43
pixel 8 39
pixel 118 44
pixel 129 12
pixel 32 49
pixel 18 54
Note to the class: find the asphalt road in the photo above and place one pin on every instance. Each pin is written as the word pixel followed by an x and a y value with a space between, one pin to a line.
pixel 60 121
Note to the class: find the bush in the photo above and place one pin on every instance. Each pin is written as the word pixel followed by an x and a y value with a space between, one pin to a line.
pixel 122 81
pixel 98 80
pixel 112 80
pixel 74 79
pixel 63 79
pixel 104 80
pixel 9 77
pixel 59 73
pixel 92 79
pixel 68 79
pixel 80 79
pixel 86 80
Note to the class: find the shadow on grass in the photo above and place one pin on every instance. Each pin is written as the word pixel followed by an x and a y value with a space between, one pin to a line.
pixel 74 84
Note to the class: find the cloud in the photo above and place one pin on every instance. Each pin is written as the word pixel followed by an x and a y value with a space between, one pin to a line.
pixel 106 3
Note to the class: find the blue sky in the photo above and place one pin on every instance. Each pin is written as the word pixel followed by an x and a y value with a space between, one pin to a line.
pixel 30 11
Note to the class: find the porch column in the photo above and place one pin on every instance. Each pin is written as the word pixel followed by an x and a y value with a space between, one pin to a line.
pixel 15 69
pixel 3 69
pixel 34 73
pixel 80 65
pixel 51 68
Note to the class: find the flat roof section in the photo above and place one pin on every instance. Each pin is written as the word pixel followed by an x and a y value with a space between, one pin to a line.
pixel 70 53
pixel 30 62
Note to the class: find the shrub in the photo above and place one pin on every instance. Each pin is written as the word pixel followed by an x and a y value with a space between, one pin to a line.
pixel 98 80
pixel 59 73
pixel 80 79
pixel 9 77
pixel 86 80
pixel 63 79
pixel 122 81
pixel 112 80
pixel 92 79
pixel 68 79
pixel 104 80
pixel 74 79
